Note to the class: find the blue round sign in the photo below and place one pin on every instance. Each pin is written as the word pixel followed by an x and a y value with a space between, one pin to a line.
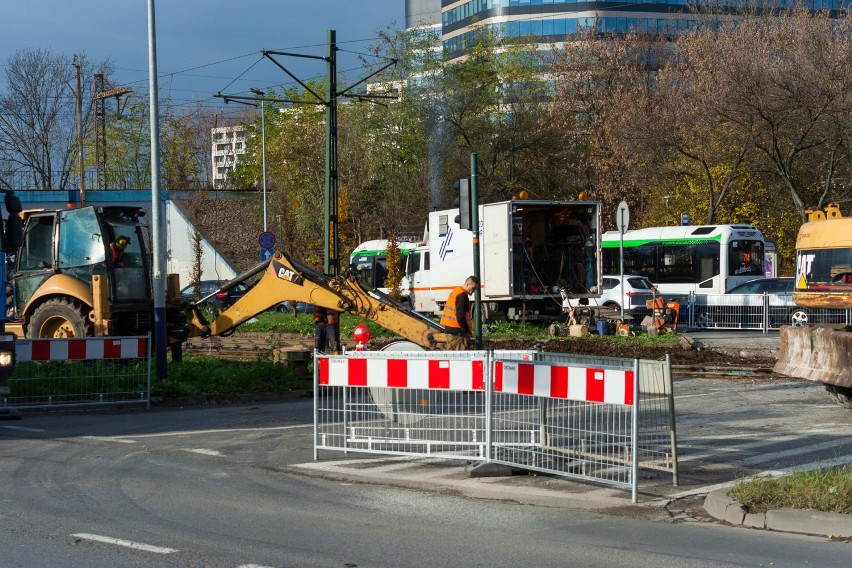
pixel 266 240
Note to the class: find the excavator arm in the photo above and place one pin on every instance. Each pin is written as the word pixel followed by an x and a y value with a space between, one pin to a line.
pixel 285 279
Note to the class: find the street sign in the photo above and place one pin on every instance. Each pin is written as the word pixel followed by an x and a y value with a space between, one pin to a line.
pixel 266 240
pixel 684 218
pixel 622 217
pixel 266 254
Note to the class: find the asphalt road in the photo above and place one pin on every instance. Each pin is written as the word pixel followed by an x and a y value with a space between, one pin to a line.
pixel 237 486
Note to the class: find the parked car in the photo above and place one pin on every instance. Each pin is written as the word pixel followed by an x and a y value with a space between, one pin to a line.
pixel 291 307
pixel 743 305
pixel 219 301
pixel 637 290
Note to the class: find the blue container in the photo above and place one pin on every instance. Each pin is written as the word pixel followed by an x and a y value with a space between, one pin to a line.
pixel 605 327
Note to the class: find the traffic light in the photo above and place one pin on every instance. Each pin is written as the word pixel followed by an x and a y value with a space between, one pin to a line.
pixel 463 187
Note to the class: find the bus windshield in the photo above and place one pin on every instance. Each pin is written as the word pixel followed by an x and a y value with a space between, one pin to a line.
pixel 745 258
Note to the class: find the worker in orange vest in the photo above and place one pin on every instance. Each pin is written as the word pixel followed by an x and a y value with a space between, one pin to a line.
pixel 116 248
pixel 456 316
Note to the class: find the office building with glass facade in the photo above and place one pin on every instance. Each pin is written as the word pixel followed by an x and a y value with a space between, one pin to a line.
pixel 554 21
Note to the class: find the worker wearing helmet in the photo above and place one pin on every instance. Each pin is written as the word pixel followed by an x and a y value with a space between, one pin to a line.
pixel 116 248
pixel 456 316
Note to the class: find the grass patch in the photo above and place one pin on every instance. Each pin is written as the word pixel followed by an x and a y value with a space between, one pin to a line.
pixel 209 376
pixel 828 490
pixel 303 324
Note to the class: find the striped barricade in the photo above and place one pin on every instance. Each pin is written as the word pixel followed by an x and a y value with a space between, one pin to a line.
pixel 576 420
pixel 411 403
pixel 573 420
pixel 80 371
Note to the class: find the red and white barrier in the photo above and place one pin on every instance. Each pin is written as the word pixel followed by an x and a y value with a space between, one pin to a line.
pixel 609 386
pixel 446 374
pixel 82 349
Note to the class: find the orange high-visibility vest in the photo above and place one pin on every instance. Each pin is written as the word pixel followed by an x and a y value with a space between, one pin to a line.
pixel 333 317
pixel 449 318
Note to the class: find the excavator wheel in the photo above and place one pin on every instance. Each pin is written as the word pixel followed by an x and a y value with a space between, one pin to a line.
pixel 841 395
pixel 59 318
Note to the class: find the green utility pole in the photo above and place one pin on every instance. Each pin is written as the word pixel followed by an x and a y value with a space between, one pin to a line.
pixel 474 213
pixel 332 241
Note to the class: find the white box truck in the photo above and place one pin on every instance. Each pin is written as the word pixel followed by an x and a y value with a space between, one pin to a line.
pixel 529 251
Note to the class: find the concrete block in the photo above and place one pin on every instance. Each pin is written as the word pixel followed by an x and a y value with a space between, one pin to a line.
pixel 809 522
pixel 717 502
pixel 755 520
pixel 735 513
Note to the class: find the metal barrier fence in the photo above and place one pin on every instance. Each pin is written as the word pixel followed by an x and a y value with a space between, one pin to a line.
pixel 656 439
pixel 80 372
pixel 763 312
pixel 525 409
pixel 757 311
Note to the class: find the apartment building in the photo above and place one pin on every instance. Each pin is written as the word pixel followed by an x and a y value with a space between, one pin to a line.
pixel 229 142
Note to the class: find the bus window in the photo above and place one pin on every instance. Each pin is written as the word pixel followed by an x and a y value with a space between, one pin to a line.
pixel 363 267
pixel 745 258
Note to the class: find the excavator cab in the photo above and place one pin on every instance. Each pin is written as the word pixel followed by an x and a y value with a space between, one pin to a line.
pixel 67 282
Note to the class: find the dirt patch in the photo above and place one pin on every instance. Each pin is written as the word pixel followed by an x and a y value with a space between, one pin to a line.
pixel 680 354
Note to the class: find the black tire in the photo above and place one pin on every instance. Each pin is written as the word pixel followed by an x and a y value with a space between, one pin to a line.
pixel 59 318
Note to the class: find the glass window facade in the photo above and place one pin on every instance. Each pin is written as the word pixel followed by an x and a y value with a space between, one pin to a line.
pixel 545 21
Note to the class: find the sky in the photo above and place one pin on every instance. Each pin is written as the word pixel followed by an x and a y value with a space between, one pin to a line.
pixel 203 46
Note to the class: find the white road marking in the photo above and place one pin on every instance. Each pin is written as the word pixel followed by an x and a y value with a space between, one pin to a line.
pixel 219 431
pixel 203 451
pixel 125 543
pixel 110 439
pixel 766 458
pixel 24 428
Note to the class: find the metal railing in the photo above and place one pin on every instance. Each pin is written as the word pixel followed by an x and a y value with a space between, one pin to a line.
pixel 593 419
pixel 80 372
pixel 763 312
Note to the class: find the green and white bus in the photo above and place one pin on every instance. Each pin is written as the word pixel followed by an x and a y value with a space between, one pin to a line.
pixel 369 260
pixel 704 259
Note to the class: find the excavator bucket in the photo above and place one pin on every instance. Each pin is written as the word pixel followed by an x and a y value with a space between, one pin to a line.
pixel 819 354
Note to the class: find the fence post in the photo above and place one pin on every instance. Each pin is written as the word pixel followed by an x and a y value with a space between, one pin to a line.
pixel 489 400
pixel 667 374
pixel 316 406
pixel 634 465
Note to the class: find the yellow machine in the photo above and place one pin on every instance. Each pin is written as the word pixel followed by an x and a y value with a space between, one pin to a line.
pixel 83 272
pixel 283 278
pixel 822 353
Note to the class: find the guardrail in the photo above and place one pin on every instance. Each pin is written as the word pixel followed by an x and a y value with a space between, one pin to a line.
pixel 592 420
pixel 80 372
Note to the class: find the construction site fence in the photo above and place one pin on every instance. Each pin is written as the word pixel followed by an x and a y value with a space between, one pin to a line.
pixel 590 418
pixel 758 312
pixel 54 373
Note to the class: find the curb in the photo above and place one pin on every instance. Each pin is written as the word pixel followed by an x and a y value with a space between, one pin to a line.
pixel 833 525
